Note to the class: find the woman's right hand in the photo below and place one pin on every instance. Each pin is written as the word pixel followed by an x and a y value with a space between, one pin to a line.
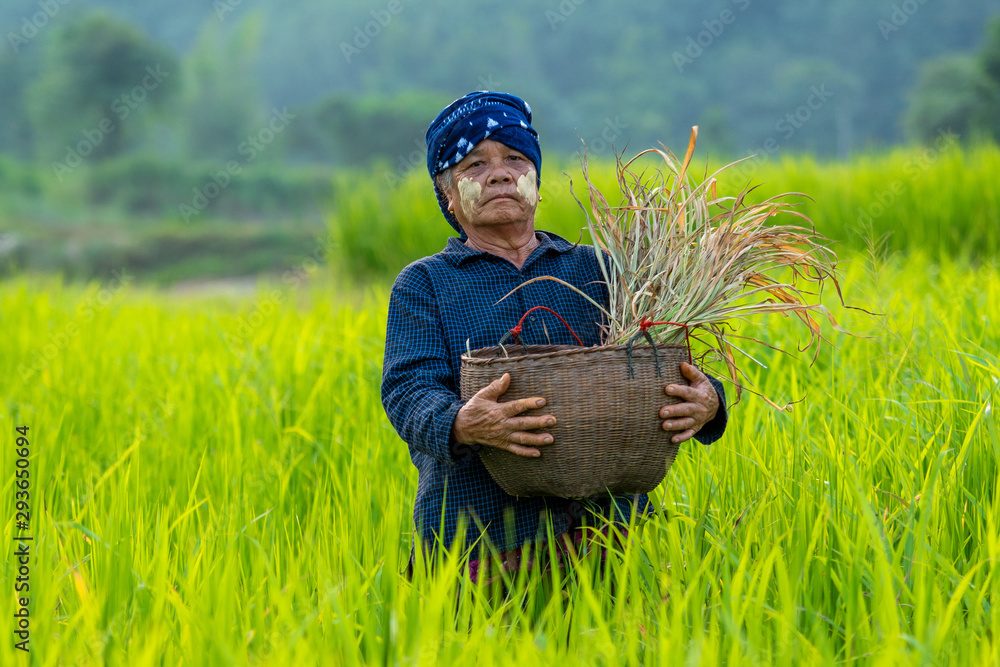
pixel 483 420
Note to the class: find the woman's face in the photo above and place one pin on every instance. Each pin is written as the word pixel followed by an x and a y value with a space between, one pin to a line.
pixel 493 185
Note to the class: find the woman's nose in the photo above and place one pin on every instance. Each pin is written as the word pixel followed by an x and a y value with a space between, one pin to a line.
pixel 500 175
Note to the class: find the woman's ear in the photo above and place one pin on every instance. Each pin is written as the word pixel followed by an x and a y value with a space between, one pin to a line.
pixel 445 186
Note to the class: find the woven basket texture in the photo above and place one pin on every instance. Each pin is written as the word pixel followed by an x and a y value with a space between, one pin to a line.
pixel 608 436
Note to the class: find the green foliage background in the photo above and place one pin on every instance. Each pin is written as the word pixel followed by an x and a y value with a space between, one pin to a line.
pixel 657 68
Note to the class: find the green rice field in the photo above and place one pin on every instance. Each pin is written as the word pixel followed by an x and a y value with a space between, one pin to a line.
pixel 212 479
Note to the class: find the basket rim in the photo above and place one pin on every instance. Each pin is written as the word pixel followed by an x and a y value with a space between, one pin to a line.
pixel 568 350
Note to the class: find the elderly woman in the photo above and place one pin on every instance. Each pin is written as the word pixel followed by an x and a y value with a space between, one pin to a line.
pixel 484 158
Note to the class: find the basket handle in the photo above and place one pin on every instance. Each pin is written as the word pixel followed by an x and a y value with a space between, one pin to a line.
pixel 515 333
pixel 644 327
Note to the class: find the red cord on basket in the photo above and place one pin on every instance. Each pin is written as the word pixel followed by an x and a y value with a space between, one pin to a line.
pixel 516 331
pixel 646 323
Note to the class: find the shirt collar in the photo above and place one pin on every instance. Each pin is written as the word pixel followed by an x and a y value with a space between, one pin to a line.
pixel 457 252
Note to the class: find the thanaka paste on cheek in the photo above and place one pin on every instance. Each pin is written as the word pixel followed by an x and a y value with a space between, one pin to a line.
pixel 527 188
pixel 470 191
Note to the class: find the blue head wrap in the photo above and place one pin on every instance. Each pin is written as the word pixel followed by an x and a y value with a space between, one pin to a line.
pixel 470 119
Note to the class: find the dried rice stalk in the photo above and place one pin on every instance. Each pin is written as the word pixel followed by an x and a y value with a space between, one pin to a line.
pixel 677 252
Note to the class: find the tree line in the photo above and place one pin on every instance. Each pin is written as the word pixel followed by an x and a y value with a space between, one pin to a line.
pixel 361 80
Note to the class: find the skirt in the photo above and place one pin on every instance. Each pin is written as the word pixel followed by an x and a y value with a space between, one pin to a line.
pixel 511 561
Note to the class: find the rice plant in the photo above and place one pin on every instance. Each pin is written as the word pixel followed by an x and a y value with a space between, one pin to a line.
pixel 946 203
pixel 218 484
pixel 681 262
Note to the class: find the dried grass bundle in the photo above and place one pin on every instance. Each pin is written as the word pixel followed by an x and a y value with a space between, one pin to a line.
pixel 684 262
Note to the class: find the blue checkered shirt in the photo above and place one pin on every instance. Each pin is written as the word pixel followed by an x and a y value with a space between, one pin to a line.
pixel 436 305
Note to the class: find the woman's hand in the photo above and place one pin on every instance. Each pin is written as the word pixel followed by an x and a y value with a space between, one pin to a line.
pixel 700 406
pixel 482 420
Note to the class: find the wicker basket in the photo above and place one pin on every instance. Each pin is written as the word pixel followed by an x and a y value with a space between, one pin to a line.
pixel 608 436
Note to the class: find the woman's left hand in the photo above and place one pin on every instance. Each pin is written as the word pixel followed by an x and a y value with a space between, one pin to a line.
pixel 700 404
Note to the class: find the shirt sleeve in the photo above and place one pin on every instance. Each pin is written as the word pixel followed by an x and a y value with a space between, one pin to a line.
pixel 418 391
pixel 714 429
